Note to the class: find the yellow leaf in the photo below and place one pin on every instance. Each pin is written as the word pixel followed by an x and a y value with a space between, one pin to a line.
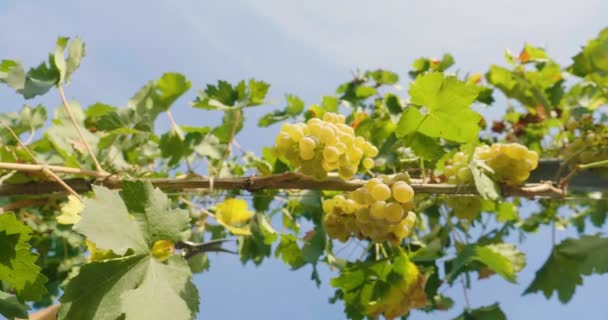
pixel 232 212
pixel 97 254
pixel 70 211
pixel 162 250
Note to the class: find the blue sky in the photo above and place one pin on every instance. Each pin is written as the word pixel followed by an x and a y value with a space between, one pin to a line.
pixel 306 48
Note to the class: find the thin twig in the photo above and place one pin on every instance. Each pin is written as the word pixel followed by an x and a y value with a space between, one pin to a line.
pixel 227 152
pixel 23 167
pixel 465 293
pixel 179 133
pixel 73 120
pixel 44 168
pixel 55 177
pixel 23 146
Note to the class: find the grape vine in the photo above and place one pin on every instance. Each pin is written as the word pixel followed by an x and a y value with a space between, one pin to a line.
pixel 104 217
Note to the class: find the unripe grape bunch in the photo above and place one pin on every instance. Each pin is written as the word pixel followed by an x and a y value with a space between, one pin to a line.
pixel 324 145
pixel 590 146
pixel 511 163
pixel 381 210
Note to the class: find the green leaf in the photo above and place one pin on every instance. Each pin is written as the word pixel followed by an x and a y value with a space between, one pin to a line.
pixel 314 247
pixel 173 148
pixel 364 92
pixel 224 96
pixel 448 102
pixel 294 107
pixel 156 97
pixel 152 209
pixel 506 212
pixel 232 123
pixel 76 51
pixel 37 81
pixel 502 258
pixel 569 260
pixel 486 187
pixel 64 136
pixel 392 103
pixel 119 287
pixel 383 77
pixel 11 308
pixel 27 119
pixel 106 222
pixel 17 263
pixel 289 251
pixel 593 58
pixel 491 312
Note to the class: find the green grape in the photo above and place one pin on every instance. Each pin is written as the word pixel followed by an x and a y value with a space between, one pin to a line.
pixel 393 212
pixel 402 191
pixel 381 192
pixel 466 208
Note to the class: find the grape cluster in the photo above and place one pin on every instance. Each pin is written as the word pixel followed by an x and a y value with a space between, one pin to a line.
pixel 380 210
pixel 398 301
pixel 457 169
pixel 592 146
pixel 511 162
pixel 321 146
pixel 466 208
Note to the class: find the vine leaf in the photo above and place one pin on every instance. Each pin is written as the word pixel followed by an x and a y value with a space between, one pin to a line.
pixel 491 312
pixel 37 81
pixel 294 107
pixel 225 96
pixel 504 259
pixel 232 214
pixel 152 209
pixel 17 263
pixel 486 187
pixel 107 223
pixel 569 260
pixel 70 211
pixel 130 223
pixel 11 308
pixel 289 251
pixel 67 66
pixel 448 102
pixel 389 286
pixel 107 289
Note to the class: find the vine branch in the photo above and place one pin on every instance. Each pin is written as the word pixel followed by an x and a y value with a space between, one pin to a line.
pixel 288 180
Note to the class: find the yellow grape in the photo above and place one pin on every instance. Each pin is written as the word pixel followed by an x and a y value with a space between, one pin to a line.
pixel 371 183
pixel 410 219
pixel 368 163
pixel 380 192
pixel 393 212
pixel 402 191
pixel 349 206
pixel 376 210
pixel 346 172
pixel 331 154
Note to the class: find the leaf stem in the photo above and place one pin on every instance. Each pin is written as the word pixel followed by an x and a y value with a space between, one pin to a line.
pixel 73 120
